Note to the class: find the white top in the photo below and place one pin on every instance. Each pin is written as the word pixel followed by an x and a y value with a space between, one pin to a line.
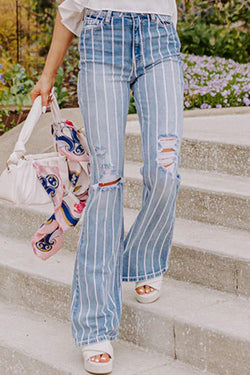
pixel 72 11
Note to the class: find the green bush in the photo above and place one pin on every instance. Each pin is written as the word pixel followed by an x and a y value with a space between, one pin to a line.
pixel 215 28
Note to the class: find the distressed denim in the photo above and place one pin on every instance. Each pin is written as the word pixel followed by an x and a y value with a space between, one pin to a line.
pixel 120 51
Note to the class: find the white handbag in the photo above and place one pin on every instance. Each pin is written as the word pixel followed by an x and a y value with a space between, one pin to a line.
pixel 19 184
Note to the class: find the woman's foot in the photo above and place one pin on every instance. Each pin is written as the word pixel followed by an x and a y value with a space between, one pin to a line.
pixel 105 357
pixel 98 357
pixel 148 291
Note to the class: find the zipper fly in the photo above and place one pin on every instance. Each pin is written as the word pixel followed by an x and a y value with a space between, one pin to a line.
pixel 135 43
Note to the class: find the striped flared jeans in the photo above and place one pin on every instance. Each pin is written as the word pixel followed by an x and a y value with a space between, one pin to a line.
pixel 120 51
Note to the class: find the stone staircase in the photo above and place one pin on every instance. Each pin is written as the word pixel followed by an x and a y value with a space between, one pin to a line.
pixel 201 324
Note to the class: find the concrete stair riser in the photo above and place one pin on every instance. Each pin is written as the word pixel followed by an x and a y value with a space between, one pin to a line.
pixel 187 262
pixel 209 142
pixel 14 362
pixel 35 293
pixel 205 349
pixel 203 268
pixel 215 271
pixel 38 345
pixel 201 155
pixel 194 204
pixel 147 326
pixel 210 351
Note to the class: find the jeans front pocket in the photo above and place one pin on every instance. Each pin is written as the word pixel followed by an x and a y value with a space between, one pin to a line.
pixel 164 20
pixel 92 22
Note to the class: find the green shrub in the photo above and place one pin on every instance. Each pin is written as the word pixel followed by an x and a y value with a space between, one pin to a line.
pixel 215 28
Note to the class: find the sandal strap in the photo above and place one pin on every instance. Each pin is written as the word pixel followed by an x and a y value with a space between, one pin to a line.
pixel 97 349
pixel 154 283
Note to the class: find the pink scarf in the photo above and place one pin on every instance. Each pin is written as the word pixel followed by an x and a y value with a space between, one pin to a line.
pixel 68 202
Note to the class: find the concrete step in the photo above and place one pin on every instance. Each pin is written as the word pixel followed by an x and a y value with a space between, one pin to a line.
pixel 210 255
pixel 32 343
pixel 211 143
pixel 205 328
pixel 203 196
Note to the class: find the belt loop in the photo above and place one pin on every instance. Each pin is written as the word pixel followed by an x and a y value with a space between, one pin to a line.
pixel 152 16
pixel 108 16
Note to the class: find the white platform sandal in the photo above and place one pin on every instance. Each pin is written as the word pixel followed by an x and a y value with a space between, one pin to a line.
pixel 152 296
pixel 99 348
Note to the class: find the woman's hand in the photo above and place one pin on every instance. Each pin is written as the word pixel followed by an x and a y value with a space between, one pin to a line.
pixel 61 40
pixel 43 87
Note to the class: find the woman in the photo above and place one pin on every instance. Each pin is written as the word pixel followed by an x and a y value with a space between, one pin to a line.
pixel 132 45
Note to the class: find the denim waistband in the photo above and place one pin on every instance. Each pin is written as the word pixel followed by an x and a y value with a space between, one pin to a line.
pixel 108 14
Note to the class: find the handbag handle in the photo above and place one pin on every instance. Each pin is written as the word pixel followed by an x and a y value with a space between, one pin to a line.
pixel 29 125
pixel 55 109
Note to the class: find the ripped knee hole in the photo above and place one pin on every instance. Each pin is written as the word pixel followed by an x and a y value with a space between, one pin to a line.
pixel 167 154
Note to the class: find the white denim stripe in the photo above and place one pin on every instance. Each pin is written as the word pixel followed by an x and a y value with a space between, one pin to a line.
pixel 118 162
pixel 163 227
pixel 142 130
pixel 148 153
pixel 109 153
pixel 164 240
pixel 150 220
pixel 97 165
pixel 145 215
pixel 105 291
pixel 176 132
pixel 115 257
pixel 158 226
pixel 87 292
pixel 122 73
pixel 146 90
pixel 114 92
pixel 164 78
pixel 173 218
pixel 96 106
pixel 105 95
pixel 139 101
pixel 156 120
pixel 172 76
pixel 118 256
pixel 96 258
pixel 167 112
pixel 86 285
pixel 133 51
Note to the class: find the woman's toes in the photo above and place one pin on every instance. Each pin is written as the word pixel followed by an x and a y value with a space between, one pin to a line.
pixel 144 289
pixel 147 289
pixel 105 357
pixel 100 358
pixel 95 358
pixel 140 290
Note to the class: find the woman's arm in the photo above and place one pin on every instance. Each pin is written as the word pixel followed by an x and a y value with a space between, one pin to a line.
pixel 60 43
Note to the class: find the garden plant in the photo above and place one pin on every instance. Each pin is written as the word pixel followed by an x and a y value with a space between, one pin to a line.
pixel 215 45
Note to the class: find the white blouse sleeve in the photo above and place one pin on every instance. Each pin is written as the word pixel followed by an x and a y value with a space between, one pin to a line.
pixel 72 13
pixel 175 15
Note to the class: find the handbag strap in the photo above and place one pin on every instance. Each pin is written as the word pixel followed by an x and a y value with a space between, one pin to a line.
pixel 29 125
pixel 55 109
